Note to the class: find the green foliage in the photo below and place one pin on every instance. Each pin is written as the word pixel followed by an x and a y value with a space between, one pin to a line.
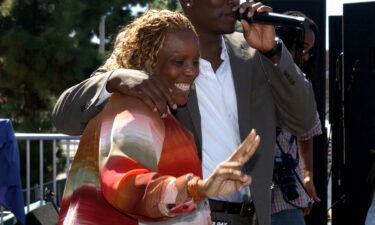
pixel 45 47
pixel 173 5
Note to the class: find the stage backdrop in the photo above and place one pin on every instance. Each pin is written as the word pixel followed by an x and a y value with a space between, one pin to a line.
pixel 359 93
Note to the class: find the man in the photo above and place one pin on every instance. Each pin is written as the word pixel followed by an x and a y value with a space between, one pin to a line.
pixel 243 84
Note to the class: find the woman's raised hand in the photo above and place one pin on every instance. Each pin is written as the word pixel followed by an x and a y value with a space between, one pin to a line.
pixel 228 177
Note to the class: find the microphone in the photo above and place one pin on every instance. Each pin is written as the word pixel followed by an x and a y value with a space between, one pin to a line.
pixel 275 19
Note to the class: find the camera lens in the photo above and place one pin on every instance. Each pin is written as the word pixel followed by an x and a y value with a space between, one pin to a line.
pixel 284 167
pixel 288 185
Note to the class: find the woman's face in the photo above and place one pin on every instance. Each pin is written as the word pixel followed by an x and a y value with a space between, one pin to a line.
pixel 308 44
pixel 178 63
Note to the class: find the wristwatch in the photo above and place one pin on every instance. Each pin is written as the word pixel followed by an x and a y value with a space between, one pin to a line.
pixel 273 51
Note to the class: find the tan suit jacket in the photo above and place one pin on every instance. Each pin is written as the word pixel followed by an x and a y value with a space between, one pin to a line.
pixel 267 95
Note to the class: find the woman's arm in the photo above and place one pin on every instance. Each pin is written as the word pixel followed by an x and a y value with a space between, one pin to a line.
pixel 131 142
pixel 305 142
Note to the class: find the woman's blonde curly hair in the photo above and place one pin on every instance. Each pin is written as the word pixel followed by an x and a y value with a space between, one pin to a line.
pixel 137 44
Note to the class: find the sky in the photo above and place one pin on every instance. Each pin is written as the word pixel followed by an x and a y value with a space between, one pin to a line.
pixel 335 7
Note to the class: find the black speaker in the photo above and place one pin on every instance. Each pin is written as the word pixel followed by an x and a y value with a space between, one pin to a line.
pixel 359 64
pixel 359 92
pixel 336 115
pixel 45 215
pixel 335 49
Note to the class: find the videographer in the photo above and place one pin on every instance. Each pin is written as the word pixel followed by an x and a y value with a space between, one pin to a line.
pixel 293 189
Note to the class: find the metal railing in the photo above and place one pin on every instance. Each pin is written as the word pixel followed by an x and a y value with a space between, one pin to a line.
pixel 68 144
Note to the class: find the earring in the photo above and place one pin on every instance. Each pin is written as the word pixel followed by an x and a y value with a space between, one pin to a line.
pixel 188 4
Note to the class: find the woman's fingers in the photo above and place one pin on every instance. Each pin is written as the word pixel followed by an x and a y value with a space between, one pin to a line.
pixel 250 151
pixel 230 164
pixel 247 148
pixel 232 174
pixel 231 170
pixel 243 146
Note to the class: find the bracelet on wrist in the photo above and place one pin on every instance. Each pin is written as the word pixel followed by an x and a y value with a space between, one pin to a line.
pixel 193 190
pixel 273 51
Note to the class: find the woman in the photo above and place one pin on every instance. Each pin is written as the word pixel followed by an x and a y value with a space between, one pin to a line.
pixel 133 167
pixel 286 207
pixel 302 45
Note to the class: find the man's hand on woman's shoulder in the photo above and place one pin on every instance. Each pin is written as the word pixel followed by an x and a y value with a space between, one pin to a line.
pixel 146 87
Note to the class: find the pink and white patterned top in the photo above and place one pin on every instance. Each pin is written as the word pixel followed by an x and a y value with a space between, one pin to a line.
pixel 278 204
pixel 130 167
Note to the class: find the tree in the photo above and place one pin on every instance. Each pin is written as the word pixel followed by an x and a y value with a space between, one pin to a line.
pixel 46 47
pixel 173 5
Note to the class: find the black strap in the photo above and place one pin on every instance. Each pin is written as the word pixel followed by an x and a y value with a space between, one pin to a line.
pixel 273 51
pixel 293 139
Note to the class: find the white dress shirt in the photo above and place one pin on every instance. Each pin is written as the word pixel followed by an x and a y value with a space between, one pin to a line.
pixel 219 119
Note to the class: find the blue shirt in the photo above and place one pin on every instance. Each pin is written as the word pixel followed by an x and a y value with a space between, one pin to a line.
pixel 10 180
